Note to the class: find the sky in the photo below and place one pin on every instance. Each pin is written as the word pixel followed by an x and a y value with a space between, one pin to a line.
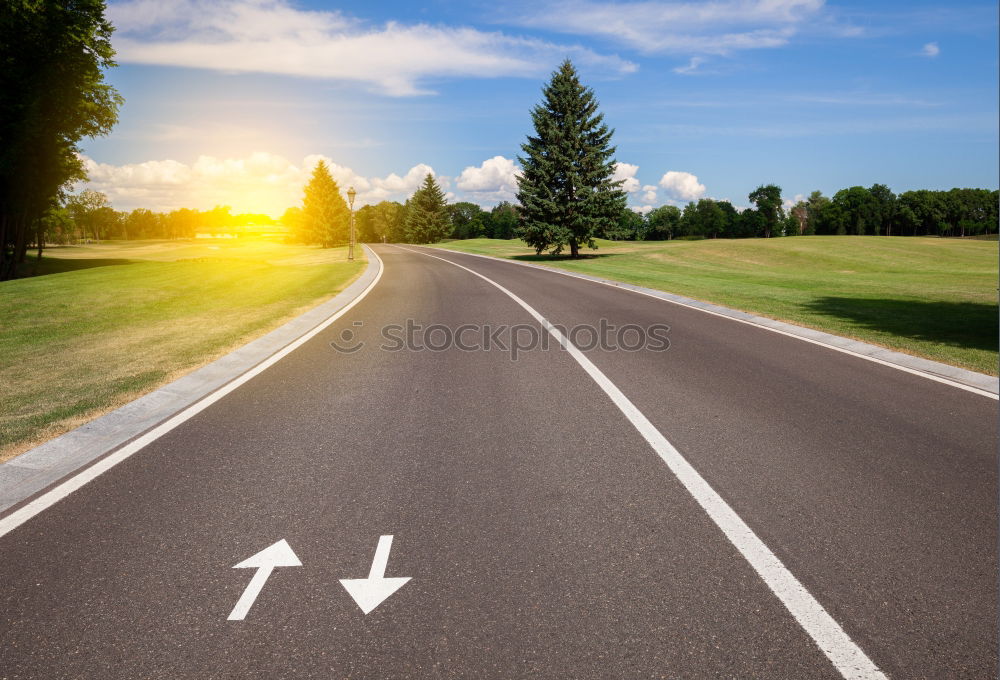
pixel 232 102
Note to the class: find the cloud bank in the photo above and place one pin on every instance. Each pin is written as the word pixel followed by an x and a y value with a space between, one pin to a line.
pixel 272 36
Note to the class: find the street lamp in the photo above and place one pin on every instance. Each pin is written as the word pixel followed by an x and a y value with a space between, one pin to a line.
pixel 351 193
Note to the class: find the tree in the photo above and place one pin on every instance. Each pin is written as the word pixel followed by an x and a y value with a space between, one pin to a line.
pixel 427 214
pixel 389 221
pixel 859 210
pixel 662 222
pixel 87 210
pixel 52 55
pixel 325 215
pixel 464 220
pixel 709 218
pixel 885 208
pixel 631 226
pixel 504 220
pixel 566 190
pixel 767 198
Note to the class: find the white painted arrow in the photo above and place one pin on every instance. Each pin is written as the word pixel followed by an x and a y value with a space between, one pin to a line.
pixel 278 555
pixel 372 591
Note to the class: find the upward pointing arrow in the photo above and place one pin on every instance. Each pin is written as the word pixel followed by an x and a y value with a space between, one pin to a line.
pixel 372 591
pixel 278 555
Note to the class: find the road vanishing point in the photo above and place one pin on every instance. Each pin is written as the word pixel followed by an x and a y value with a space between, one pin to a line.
pixel 731 503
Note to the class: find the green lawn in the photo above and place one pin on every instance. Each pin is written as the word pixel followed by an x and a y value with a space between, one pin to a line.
pixel 931 297
pixel 106 323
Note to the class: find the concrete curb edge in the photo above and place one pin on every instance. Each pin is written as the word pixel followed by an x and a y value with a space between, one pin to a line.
pixel 36 469
pixel 979 383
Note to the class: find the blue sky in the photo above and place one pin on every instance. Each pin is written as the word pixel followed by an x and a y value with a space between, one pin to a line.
pixel 233 101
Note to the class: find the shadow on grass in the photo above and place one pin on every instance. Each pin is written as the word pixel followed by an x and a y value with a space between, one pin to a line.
pixel 562 257
pixel 59 265
pixel 971 325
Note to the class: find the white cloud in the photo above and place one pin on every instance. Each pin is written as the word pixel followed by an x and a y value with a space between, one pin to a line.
pixel 626 173
pixel 261 182
pixel 789 203
pixel 642 209
pixel 931 49
pixel 691 68
pixel 493 181
pixel 682 185
pixel 718 27
pixel 649 194
pixel 271 36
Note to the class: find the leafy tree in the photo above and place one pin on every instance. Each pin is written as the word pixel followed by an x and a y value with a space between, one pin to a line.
pixel 731 228
pixel 52 54
pixel 566 191
pixel 504 220
pixel 325 215
pixel 885 208
pixel 709 217
pixel 662 222
pixel 800 213
pixel 427 214
pixel 464 218
pixel 389 221
pixel 752 223
pixel 790 225
pixel 858 208
pixel 767 198
pixel 87 210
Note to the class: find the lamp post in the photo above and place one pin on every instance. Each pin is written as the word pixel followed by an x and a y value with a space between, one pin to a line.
pixel 351 193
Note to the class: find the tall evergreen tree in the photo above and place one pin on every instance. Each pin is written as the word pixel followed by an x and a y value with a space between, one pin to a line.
pixel 566 190
pixel 325 216
pixel 426 214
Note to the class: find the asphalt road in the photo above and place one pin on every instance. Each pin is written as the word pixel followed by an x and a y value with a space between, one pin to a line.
pixel 542 534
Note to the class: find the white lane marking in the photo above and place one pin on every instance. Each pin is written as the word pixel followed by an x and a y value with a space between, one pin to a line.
pixel 278 555
pixel 372 591
pixel 820 343
pixel 843 652
pixel 56 494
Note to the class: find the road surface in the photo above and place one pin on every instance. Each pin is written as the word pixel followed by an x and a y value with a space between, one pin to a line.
pixel 542 531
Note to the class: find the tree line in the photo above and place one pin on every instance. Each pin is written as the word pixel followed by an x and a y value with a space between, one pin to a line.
pixel 860 211
pixel 88 216
pixel 426 217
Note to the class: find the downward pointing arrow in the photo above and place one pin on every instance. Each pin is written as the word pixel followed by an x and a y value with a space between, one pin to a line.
pixel 278 555
pixel 372 591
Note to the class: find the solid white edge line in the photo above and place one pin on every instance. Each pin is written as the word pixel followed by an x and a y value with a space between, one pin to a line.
pixel 57 493
pixel 844 350
pixel 846 656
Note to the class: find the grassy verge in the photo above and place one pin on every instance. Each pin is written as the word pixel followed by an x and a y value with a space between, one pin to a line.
pixel 106 323
pixel 930 297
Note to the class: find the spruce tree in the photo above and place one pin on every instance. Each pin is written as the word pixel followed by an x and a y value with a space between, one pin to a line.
pixel 566 191
pixel 426 214
pixel 325 216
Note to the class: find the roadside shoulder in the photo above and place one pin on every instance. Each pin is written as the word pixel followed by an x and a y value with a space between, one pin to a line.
pixel 971 381
pixel 39 468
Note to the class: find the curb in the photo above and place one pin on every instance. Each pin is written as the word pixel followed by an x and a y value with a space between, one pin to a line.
pixel 978 383
pixel 36 469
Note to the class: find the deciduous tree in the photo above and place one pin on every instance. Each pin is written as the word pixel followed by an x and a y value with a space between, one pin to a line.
pixel 52 56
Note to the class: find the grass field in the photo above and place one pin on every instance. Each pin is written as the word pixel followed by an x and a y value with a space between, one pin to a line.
pixel 106 323
pixel 931 297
